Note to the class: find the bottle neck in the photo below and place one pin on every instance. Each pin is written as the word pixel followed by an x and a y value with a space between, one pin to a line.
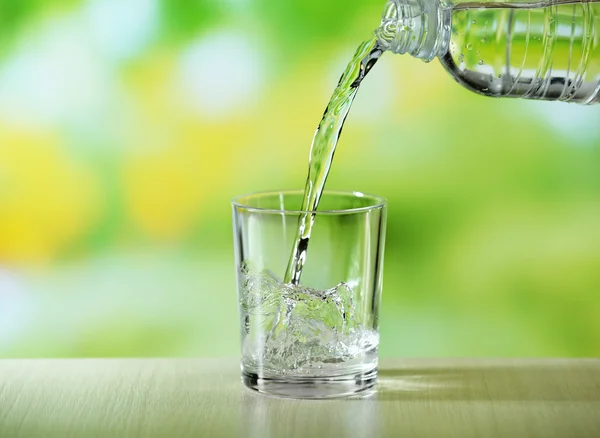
pixel 420 28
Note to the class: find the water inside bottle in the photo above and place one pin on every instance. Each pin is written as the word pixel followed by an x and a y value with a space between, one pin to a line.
pixel 529 50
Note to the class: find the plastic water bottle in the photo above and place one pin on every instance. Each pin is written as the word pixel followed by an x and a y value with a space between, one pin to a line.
pixel 536 50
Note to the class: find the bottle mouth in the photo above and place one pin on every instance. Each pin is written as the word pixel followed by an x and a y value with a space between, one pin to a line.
pixel 388 29
pixel 417 27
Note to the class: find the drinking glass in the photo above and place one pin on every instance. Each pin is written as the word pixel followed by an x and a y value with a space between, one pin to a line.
pixel 319 337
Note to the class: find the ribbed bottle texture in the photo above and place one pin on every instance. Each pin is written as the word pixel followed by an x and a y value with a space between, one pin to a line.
pixel 545 50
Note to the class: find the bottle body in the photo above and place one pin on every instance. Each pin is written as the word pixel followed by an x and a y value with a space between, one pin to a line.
pixel 547 50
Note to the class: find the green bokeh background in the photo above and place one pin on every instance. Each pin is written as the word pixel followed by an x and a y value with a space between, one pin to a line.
pixel 126 128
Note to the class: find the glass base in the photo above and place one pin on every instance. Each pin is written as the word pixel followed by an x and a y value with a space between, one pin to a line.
pixel 312 387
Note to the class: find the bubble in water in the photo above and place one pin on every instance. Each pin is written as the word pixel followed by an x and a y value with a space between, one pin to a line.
pixel 469 46
pixel 461 58
pixel 483 40
pixel 480 62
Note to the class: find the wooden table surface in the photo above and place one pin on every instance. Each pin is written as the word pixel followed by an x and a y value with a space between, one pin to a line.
pixel 205 398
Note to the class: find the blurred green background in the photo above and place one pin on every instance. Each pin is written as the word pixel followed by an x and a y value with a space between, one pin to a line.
pixel 127 126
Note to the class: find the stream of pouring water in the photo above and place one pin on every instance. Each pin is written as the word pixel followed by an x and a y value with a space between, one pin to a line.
pixel 323 148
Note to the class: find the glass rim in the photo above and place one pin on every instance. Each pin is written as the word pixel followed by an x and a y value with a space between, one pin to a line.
pixel 378 202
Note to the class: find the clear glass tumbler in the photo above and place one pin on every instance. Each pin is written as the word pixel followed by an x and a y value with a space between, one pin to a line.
pixel 318 338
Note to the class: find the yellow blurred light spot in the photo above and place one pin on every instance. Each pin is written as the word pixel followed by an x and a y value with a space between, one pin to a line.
pixel 163 193
pixel 181 178
pixel 46 201
pixel 177 167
